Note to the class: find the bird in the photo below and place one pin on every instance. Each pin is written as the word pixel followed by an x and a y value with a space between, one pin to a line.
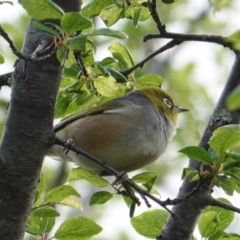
pixel 127 133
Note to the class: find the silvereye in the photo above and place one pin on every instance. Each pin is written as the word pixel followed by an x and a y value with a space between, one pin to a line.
pixel 127 133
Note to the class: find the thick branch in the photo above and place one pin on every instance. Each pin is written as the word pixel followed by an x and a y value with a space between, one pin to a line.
pixel 27 130
pixel 5 79
pixel 188 212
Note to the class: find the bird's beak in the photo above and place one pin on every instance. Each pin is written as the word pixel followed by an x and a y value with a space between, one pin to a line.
pixel 180 109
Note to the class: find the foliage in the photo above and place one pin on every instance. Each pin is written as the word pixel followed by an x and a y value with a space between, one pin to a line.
pixel 103 79
pixel 93 82
pixel 43 216
pixel 220 158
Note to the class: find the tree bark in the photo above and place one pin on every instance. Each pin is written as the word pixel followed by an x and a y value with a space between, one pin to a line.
pixel 188 211
pixel 28 130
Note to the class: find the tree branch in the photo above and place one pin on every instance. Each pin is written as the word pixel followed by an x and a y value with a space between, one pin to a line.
pixel 11 44
pixel 169 45
pixel 214 202
pixel 5 79
pixel 190 211
pixel 152 6
pixel 128 184
pixel 193 37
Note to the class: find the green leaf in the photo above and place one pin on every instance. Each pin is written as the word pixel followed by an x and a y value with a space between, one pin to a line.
pixel 228 237
pixel 133 12
pixel 112 14
pixel 72 201
pixel 95 7
pixel 108 61
pixel 232 166
pixel 191 173
pixel 197 153
pixel 106 32
pixel 77 228
pixel 122 54
pixel 39 191
pixel 234 156
pixel 116 75
pixel 225 183
pixel 106 86
pixel 2 60
pixel 40 226
pixel 102 69
pixel 100 198
pixel 80 101
pixel 42 9
pixel 149 80
pixel 72 22
pixel 150 223
pixel 77 43
pixel 45 212
pixel 42 27
pixel 59 193
pixel 233 100
pixel 47 224
pixel 69 75
pixel 63 101
pixel 147 179
pixel 234 38
pixel 218 235
pixel 224 216
pixel 225 138
pixel 80 173
pixel 33 226
pixel 218 4
pixel 62 54
pixel 136 14
pixel 207 223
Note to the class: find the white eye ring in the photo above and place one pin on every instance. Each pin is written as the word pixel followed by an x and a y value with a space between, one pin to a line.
pixel 168 103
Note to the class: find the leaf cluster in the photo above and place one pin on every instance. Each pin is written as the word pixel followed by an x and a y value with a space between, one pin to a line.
pixel 221 159
pixel 85 81
pixel 43 214
pixel 214 221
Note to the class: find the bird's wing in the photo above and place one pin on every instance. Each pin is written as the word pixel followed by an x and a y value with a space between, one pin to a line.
pixel 92 111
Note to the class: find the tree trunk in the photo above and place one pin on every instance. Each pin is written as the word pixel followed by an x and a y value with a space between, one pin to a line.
pixel 28 130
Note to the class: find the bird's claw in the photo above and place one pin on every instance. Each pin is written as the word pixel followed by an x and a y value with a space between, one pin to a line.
pixel 120 178
pixel 68 145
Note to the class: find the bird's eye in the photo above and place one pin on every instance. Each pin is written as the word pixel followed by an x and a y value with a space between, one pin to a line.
pixel 168 103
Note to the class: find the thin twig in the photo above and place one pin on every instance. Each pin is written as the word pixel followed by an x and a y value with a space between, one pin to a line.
pixel 214 202
pixel 169 45
pixel 9 2
pixel 153 10
pixel 193 37
pixel 77 150
pixel 14 49
pixel 79 61
pixel 32 57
